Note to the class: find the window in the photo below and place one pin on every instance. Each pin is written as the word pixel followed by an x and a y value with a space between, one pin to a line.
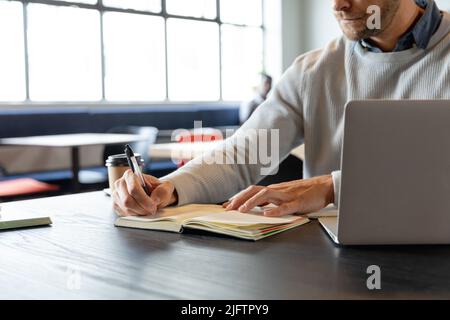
pixel 247 12
pixel 64 53
pixel 193 8
pixel 130 50
pixel 80 1
pixel 193 60
pixel 12 57
pixel 144 5
pixel 134 58
pixel 242 52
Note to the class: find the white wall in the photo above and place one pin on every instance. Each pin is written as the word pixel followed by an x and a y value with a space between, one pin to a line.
pixel 283 36
pixel 273 41
pixel 319 24
pixel 304 25
pixel 443 4
pixel 292 30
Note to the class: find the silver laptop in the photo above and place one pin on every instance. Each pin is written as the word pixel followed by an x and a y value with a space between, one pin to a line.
pixel 395 184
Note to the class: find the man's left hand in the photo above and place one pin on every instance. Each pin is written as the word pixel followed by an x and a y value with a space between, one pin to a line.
pixel 298 196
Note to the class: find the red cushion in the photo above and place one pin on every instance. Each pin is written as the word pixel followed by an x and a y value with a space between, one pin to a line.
pixel 24 186
pixel 199 138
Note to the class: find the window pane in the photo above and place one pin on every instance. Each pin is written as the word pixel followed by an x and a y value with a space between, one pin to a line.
pixel 193 57
pixel 135 57
pixel 241 11
pixel 242 61
pixel 193 8
pixel 12 57
pixel 144 5
pixel 80 1
pixel 64 53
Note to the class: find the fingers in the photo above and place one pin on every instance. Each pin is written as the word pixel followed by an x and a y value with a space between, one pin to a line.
pixel 123 212
pixel 117 209
pixel 152 181
pixel 291 207
pixel 263 197
pixel 129 198
pixel 162 194
pixel 122 206
pixel 299 196
pixel 240 198
pixel 311 200
pixel 135 189
pixel 297 185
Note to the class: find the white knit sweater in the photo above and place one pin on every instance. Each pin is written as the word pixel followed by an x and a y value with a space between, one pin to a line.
pixel 307 106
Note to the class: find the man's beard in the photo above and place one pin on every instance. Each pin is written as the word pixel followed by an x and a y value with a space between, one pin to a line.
pixel 388 10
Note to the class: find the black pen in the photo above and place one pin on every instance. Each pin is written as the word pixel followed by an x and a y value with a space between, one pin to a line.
pixel 132 162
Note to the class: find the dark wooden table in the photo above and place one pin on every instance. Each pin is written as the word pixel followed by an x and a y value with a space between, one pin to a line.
pixel 83 256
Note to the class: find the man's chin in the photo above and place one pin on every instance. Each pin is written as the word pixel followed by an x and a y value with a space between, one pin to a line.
pixel 356 35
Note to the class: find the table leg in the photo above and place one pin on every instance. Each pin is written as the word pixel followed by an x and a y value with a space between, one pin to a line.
pixel 75 169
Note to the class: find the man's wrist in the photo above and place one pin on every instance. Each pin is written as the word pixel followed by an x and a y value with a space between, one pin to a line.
pixel 174 198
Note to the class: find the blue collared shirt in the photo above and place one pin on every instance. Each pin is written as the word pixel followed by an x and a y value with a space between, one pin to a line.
pixel 420 35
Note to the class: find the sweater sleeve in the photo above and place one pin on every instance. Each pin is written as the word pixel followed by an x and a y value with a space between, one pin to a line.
pixel 218 174
pixel 336 175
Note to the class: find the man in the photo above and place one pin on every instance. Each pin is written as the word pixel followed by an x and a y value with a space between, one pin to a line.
pixel 407 57
pixel 247 108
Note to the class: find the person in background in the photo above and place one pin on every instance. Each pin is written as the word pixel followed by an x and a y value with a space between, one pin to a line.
pixel 248 107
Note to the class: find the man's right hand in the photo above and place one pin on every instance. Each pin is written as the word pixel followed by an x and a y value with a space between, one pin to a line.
pixel 130 199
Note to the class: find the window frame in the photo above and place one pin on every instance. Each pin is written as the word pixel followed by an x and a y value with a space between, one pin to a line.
pixel 164 14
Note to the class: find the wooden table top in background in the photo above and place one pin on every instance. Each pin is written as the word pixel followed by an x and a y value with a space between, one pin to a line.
pixel 72 140
pixel 83 256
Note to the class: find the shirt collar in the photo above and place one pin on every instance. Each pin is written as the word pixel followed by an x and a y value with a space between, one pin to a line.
pixel 420 35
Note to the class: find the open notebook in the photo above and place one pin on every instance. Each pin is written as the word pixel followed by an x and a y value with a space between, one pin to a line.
pixel 213 218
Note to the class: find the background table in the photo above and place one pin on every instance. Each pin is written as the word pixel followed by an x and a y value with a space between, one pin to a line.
pixel 84 256
pixel 74 142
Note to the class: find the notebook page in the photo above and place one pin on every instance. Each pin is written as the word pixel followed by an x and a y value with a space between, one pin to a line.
pixel 329 211
pixel 244 219
pixel 179 214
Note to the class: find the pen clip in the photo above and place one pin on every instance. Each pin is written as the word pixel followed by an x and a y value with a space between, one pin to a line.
pixel 129 153
pixel 134 165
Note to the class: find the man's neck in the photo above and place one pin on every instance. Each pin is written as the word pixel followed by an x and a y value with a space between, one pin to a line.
pixel 407 15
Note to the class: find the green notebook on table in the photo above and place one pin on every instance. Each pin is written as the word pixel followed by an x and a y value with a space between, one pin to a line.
pixel 15 219
pixel 213 218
